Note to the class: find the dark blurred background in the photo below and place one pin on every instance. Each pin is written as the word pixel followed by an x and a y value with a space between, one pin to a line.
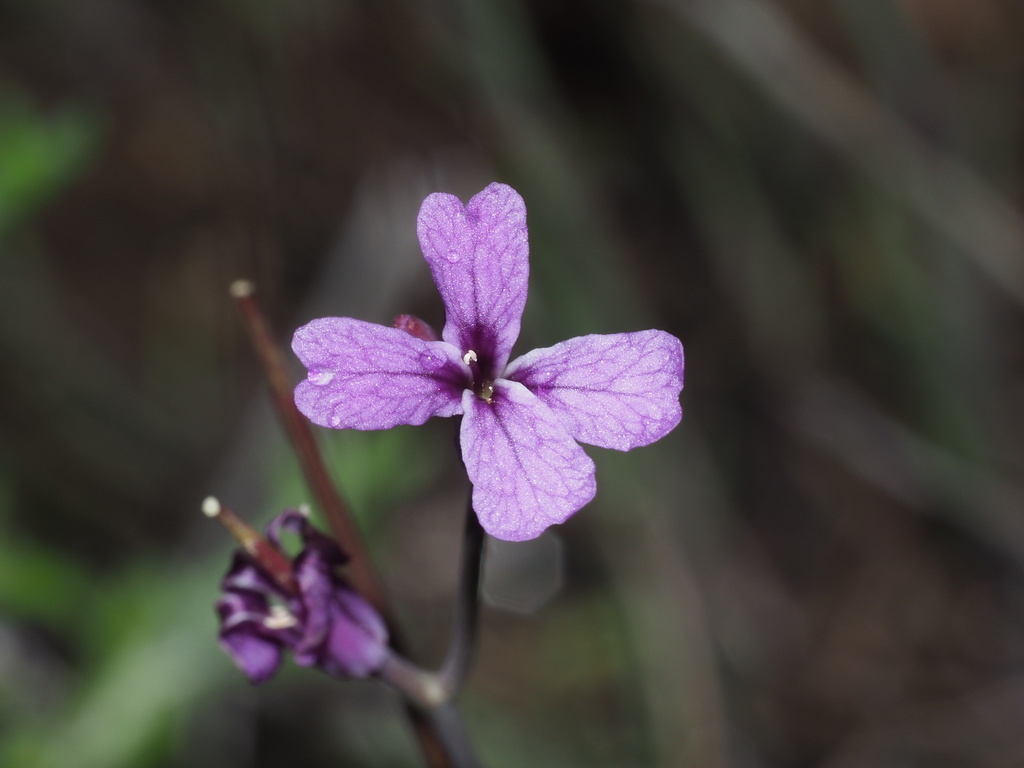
pixel 822 566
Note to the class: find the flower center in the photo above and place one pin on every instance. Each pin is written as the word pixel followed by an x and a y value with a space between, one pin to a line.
pixel 482 387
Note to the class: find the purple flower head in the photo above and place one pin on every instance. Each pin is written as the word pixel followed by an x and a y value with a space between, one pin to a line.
pixel 320 620
pixel 521 420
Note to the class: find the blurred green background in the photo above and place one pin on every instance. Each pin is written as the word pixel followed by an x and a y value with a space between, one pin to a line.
pixel 823 566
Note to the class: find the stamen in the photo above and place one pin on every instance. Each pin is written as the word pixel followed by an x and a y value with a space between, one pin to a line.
pixel 269 557
pixel 484 389
pixel 279 618
pixel 242 289
pixel 211 507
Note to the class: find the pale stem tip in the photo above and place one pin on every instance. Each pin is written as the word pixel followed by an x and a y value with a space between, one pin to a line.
pixel 241 289
pixel 211 507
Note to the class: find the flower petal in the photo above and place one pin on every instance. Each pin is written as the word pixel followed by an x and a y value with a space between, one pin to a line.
pixel 479 257
pixel 368 376
pixel 316 585
pixel 244 635
pixel 617 391
pixel 245 576
pixel 527 471
pixel 258 657
pixel 357 644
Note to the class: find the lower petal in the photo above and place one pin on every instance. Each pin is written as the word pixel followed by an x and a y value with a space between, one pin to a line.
pixel 527 471
pixel 258 657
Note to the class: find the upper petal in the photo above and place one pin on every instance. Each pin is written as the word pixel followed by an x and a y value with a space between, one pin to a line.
pixel 617 391
pixel 367 376
pixel 527 471
pixel 245 576
pixel 479 257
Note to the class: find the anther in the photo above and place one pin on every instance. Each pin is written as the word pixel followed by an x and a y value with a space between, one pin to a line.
pixel 256 546
pixel 469 357
pixel 242 289
pixel 279 618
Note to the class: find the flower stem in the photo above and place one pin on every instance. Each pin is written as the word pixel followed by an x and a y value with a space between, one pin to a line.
pixel 455 667
pixel 447 723
pixel 431 690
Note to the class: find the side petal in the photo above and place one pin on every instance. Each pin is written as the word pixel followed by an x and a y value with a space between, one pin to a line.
pixel 367 376
pixel 243 635
pixel 358 640
pixel 313 574
pixel 617 391
pixel 479 257
pixel 245 576
pixel 527 471
pixel 258 657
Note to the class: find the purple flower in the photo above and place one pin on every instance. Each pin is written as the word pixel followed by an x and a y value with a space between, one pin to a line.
pixel 320 619
pixel 521 419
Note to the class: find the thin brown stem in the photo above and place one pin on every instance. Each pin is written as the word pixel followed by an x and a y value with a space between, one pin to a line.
pixel 361 572
pixel 269 557
pixel 441 739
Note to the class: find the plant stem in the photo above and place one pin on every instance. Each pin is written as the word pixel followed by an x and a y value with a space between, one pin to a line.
pixel 438 729
pixel 447 723
pixel 433 689
pixel 434 692
pixel 455 667
pixel 342 524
